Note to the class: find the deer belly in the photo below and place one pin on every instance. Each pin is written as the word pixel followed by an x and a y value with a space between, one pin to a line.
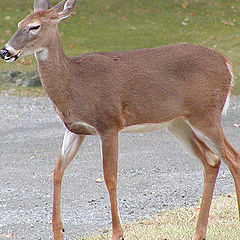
pixel 146 127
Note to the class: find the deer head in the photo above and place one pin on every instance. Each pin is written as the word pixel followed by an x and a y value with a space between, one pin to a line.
pixel 35 31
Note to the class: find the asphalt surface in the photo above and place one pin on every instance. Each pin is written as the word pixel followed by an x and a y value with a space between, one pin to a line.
pixel 154 173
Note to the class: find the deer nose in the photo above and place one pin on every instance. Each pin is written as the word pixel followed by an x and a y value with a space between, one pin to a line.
pixel 5 53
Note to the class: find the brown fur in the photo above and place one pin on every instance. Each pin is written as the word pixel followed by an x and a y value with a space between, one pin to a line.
pixel 143 84
pixel 186 85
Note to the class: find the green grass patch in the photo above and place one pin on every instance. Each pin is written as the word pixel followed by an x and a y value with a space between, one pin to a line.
pixel 22 91
pixel 110 25
pixel 180 224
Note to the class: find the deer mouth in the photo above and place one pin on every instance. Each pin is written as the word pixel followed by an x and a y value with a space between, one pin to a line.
pixel 7 56
pixel 12 58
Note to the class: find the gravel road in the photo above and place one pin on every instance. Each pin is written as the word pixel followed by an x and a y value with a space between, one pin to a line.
pixel 154 173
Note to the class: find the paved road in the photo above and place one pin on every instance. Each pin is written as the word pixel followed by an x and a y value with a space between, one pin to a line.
pixel 154 173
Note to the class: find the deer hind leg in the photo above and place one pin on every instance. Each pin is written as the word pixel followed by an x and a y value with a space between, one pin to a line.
pixel 211 162
pixel 70 146
pixel 110 166
pixel 213 130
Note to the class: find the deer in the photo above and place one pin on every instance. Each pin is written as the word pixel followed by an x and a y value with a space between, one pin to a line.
pixel 182 87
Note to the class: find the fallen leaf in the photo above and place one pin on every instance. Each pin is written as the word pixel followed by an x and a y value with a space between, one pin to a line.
pixel 184 5
pixel 195 214
pixel 145 223
pixel 22 60
pixel 213 37
pixel 10 235
pixel 133 28
pixel 227 23
pixel 99 180
pixel 8 32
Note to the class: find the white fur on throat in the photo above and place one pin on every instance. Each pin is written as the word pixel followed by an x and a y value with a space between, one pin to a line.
pixel 42 54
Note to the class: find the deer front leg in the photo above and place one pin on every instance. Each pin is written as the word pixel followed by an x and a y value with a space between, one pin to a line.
pixel 110 165
pixel 70 146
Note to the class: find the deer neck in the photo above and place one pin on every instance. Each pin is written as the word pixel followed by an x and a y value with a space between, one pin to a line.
pixel 54 67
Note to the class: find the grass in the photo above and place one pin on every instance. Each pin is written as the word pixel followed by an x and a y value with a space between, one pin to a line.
pixel 110 25
pixel 22 91
pixel 180 224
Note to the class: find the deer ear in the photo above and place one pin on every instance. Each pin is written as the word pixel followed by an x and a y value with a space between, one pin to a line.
pixel 41 5
pixel 66 7
pixel 59 7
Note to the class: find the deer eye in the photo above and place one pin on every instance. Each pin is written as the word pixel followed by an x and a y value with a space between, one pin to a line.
pixel 34 28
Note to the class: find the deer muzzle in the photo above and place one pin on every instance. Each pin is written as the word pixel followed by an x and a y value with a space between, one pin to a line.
pixel 8 56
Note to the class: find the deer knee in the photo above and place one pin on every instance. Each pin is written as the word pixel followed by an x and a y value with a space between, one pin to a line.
pixel 212 159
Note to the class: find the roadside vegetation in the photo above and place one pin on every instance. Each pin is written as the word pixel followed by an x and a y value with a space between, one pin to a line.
pixel 112 25
pixel 180 224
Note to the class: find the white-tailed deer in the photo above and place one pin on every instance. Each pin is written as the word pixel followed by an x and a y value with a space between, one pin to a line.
pixel 182 87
